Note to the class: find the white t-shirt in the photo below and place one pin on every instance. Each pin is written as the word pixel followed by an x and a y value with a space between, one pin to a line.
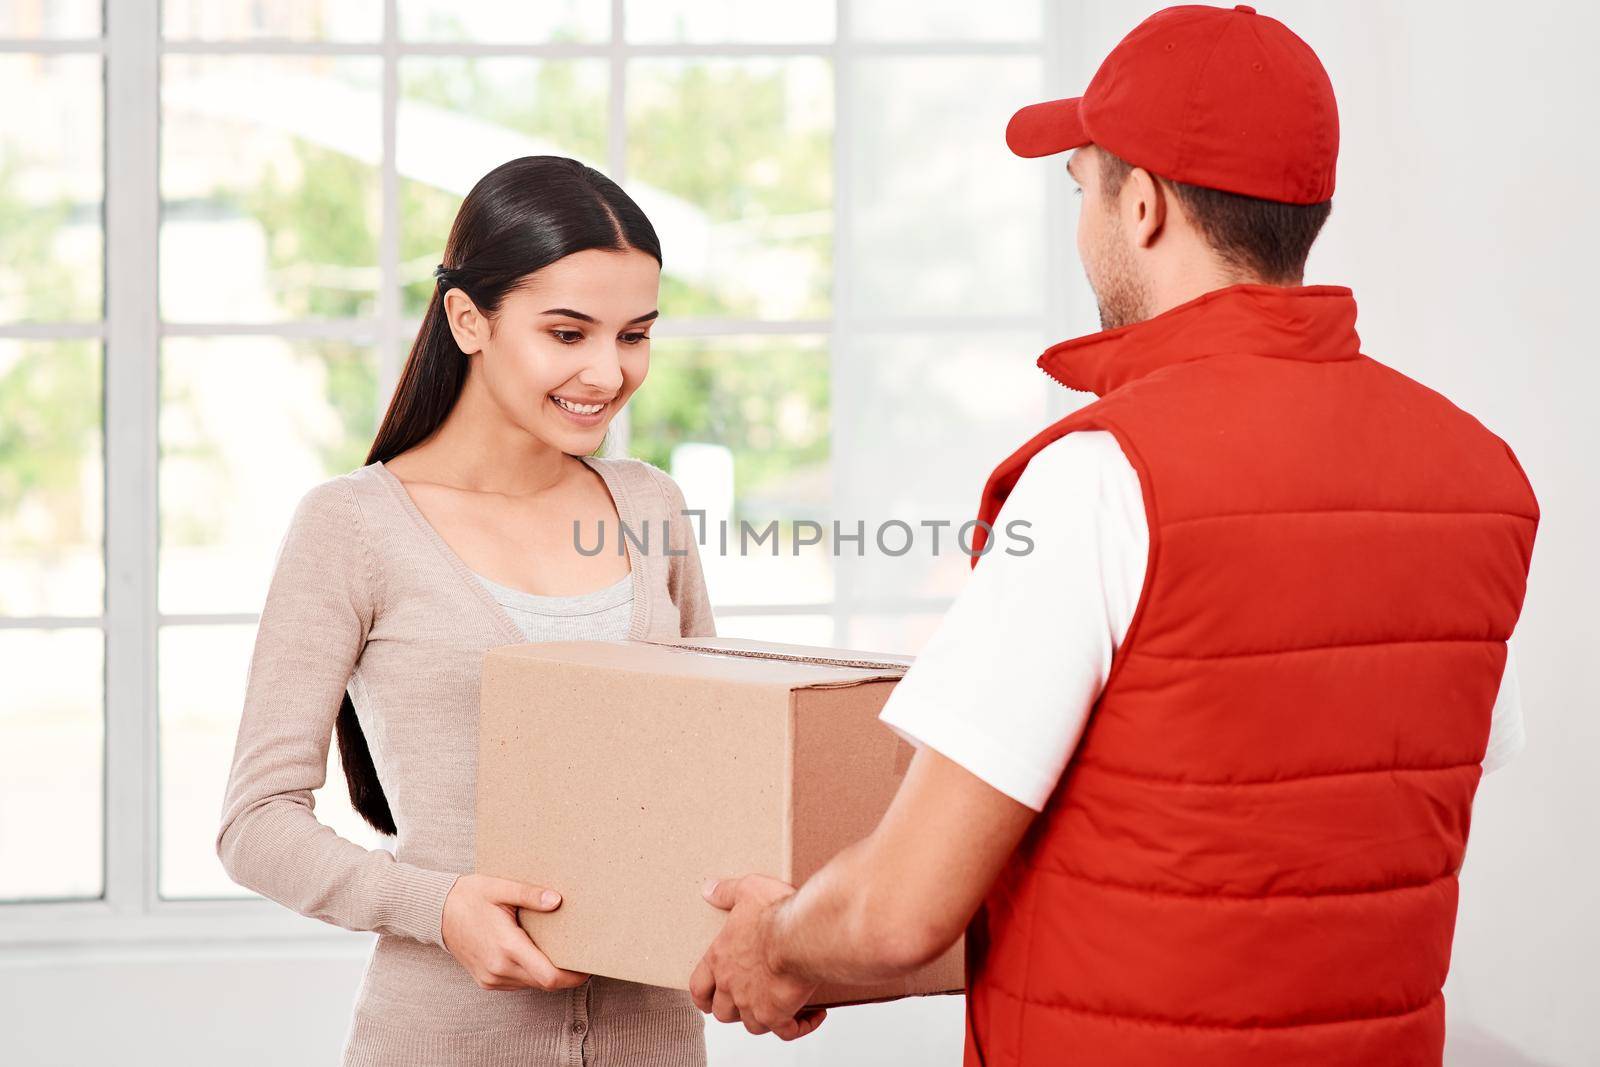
pixel 1030 637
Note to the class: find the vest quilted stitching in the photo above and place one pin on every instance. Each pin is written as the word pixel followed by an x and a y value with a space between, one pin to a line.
pixel 1252 856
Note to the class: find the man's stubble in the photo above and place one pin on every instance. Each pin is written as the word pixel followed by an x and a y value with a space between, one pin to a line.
pixel 1119 289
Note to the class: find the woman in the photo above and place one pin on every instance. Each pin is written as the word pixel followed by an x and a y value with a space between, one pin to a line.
pixel 461 533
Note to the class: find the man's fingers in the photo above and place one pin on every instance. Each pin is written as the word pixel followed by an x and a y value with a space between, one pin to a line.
pixel 702 985
pixel 523 895
pixel 723 1008
pixel 788 1029
pixel 722 893
pixel 801 1025
pixel 803 1022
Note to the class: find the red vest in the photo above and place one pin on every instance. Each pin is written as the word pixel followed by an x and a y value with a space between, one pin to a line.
pixel 1251 859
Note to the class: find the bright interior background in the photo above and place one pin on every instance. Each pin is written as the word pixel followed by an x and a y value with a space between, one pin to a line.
pixel 858 279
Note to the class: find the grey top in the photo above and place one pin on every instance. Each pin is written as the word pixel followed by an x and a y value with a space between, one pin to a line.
pixel 598 615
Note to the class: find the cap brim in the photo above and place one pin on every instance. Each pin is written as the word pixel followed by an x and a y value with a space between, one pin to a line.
pixel 1048 128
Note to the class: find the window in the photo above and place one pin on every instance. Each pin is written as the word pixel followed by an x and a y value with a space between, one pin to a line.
pixel 856 283
pixel 52 471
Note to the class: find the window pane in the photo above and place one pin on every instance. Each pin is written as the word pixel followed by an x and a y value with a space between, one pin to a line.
pixel 718 21
pixel 298 20
pixel 742 423
pixel 488 111
pixel 505 21
pixel 269 169
pixel 945 20
pixel 940 221
pixel 897 635
pixel 786 629
pixel 248 424
pixel 924 419
pixel 202 672
pixel 733 162
pixel 51 188
pixel 50 18
pixel 51 763
pixel 51 479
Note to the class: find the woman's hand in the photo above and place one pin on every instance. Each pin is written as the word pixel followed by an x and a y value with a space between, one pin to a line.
pixel 481 932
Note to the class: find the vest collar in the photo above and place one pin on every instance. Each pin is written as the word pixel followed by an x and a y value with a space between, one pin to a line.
pixel 1315 323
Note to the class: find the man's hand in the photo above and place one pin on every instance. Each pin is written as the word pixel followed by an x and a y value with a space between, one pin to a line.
pixel 737 981
pixel 884 906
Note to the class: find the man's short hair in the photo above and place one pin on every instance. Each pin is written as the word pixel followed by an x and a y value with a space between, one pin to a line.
pixel 1267 239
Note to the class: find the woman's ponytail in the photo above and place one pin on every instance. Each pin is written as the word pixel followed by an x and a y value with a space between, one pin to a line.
pixel 366 794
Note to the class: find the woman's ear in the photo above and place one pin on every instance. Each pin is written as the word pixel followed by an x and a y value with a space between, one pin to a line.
pixel 1146 204
pixel 467 324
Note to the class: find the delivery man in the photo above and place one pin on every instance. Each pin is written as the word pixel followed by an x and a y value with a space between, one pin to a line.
pixel 1196 773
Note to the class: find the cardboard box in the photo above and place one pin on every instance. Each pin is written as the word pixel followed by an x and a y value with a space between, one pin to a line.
pixel 626 773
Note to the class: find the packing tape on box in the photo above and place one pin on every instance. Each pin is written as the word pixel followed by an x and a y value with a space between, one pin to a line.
pixel 823 661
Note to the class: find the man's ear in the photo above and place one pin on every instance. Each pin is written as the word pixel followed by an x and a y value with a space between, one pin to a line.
pixel 467 324
pixel 1145 205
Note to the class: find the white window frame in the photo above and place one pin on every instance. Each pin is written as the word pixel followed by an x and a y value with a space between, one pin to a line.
pixel 131 913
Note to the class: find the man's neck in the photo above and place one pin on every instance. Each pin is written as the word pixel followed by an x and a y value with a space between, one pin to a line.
pixel 1184 285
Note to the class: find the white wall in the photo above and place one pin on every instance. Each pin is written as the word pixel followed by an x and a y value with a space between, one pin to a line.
pixel 1466 226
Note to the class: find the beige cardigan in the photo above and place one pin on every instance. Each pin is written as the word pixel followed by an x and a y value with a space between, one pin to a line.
pixel 365 594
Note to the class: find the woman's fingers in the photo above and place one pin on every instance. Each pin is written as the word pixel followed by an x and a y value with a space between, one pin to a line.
pixel 532 966
pixel 523 895
pixel 480 929
pixel 568 979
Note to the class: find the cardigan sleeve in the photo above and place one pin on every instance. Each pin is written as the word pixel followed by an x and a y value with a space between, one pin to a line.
pixel 686 580
pixel 318 611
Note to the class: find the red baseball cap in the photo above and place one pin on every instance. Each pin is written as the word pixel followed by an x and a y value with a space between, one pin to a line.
pixel 1227 99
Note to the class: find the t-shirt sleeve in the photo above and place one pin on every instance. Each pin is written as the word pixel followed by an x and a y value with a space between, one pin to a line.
pixel 1005 685
pixel 1506 734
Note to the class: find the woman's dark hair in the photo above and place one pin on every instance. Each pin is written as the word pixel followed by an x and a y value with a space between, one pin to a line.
pixel 520 217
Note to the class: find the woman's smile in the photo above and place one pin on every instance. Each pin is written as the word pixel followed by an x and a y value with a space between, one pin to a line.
pixel 590 413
